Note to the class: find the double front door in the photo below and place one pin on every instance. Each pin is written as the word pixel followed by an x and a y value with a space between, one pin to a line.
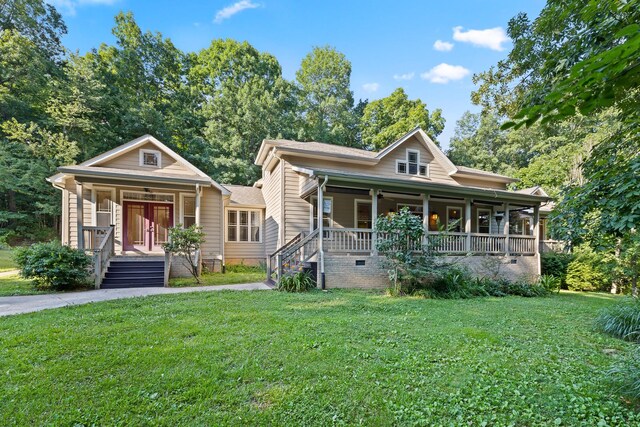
pixel 146 225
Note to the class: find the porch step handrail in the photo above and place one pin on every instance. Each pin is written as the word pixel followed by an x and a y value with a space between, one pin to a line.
pixel 296 252
pixel 102 254
pixel 274 256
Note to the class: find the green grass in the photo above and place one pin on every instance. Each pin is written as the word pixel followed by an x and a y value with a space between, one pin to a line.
pixel 334 358
pixel 234 275
pixel 6 262
pixel 16 285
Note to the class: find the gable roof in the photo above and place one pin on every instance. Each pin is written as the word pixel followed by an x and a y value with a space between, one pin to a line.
pixel 464 171
pixel 242 195
pixel 132 145
pixel 537 190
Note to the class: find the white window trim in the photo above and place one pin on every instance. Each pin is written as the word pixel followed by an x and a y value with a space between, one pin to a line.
pixel 226 225
pixel 158 154
pixel 94 201
pixel 311 213
pixel 478 219
pixel 419 163
pixel 182 196
pixel 461 209
pixel 123 199
pixel 355 211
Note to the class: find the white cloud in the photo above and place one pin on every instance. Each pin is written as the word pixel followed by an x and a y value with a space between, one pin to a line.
pixel 68 7
pixel 442 46
pixel 237 7
pixel 405 76
pixel 444 73
pixel 371 87
pixel 493 38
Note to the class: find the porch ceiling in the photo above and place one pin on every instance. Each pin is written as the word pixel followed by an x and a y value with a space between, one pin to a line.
pixel 338 178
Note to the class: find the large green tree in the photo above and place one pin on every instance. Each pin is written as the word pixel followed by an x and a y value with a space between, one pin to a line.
pixel 326 106
pixel 385 120
pixel 245 100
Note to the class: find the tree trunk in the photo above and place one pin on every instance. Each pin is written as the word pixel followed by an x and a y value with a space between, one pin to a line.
pixel 616 278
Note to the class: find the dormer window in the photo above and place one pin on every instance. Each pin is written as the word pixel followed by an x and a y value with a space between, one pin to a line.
pixel 411 165
pixel 151 158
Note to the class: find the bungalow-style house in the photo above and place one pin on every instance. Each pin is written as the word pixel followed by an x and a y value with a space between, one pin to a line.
pixel 121 204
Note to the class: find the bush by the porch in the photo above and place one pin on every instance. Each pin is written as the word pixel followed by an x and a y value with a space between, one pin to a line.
pixel 186 242
pixel 53 266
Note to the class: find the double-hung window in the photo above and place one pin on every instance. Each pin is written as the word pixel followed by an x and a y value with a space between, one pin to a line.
pixel 243 225
pixel 188 211
pixel 104 207
pixel 411 165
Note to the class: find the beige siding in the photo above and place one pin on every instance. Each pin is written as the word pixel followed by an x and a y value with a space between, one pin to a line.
pixel 131 161
pixel 296 214
pixel 271 191
pixel 212 223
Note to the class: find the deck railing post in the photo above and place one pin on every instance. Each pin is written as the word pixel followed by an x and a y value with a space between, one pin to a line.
pixel 80 215
pixel 425 219
pixel 467 224
pixel 374 217
pixel 506 229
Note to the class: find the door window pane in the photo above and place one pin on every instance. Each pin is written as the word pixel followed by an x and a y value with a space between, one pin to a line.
pixel 135 225
pixel 454 219
pixel 363 215
pixel 484 221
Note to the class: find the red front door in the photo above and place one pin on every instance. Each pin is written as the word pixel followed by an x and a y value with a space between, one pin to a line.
pixel 146 225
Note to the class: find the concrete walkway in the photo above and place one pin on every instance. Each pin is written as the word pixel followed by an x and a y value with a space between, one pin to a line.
pixel 31 303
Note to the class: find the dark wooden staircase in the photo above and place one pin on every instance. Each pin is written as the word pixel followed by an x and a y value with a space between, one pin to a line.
pixel 134 272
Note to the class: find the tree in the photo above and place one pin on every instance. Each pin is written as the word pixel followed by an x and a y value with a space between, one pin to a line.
pixel 387 119
pixel 186 242
pixel 325 98
pixel 477 141
pixel 580 58
pixel 37 21
pixel 245 101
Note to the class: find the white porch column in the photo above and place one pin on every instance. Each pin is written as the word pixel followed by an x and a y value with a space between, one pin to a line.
pixel 374 216
pixel 506 228
pixel 536 233
pixel 197 212
pixel 320 235
pixel 425 218
pixel 80 215
pixel 197 207
pixel 467 224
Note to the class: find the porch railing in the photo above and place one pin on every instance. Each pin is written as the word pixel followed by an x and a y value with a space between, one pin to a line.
pixel 359 240
pixel 102 247
pixel 93 236
pixel 552 246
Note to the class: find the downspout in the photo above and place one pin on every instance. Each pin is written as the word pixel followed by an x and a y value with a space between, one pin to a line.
pixel 321 188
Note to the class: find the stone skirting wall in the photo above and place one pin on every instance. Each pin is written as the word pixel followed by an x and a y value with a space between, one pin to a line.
pixel 179 269
pixel 245 261
pixel 366 272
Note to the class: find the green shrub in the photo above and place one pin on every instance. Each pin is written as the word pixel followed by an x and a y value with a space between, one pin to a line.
pixel 550 283
pixel 587 272
pixel 298 282
pixel 525 289
pixel 555 264
pixel 53 266
pixel 621 320
pixel 625 374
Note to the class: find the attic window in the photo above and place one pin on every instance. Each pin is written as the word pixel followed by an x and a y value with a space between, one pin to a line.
pixel 151 158
pixel 411 165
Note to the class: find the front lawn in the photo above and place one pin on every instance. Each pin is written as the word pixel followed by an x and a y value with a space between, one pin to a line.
pixel 16 285
pixel 234 275
pixel 6 260
pixel 340 357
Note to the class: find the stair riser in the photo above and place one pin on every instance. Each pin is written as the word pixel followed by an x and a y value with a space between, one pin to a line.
pixel 133 266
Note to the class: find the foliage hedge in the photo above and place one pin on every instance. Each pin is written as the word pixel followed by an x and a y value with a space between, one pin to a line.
pixel 53 266
pixel 588 272
pixel 556 264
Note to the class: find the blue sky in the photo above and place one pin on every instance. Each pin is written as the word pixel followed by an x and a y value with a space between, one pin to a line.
pixel 390 44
